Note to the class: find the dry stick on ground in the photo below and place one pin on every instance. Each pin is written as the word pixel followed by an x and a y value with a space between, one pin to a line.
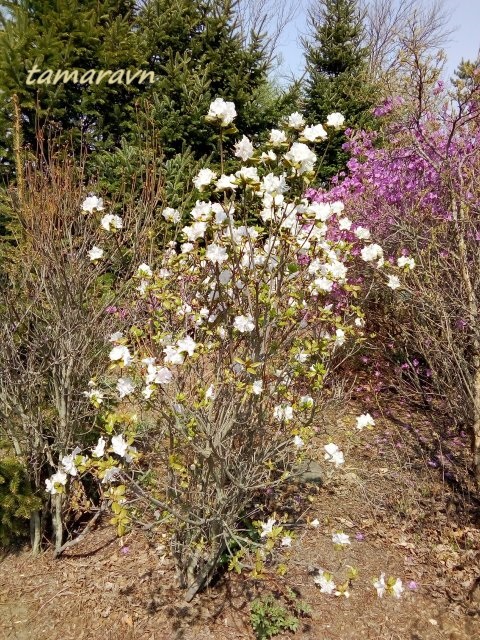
pixel 72 543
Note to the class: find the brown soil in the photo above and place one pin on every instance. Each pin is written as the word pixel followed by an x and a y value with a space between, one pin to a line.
pixel 416 517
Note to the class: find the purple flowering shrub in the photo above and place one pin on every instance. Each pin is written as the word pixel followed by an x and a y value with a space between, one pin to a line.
pixel 414 185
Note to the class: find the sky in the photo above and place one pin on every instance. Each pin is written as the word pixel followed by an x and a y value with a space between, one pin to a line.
pixel 464 42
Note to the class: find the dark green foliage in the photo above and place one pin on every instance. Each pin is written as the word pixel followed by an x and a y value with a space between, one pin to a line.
pixel 17 501
pixel 338 80
pixel 198 54
pixel 67 35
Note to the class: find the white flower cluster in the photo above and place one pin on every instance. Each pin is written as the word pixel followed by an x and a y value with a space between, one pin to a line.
pixel 253 267
pixel 68 464
pixel 109 222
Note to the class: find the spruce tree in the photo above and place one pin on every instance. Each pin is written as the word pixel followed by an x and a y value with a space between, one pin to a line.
pixel 17 501
pixel 337 68
pixel 66 35
pixel 197 53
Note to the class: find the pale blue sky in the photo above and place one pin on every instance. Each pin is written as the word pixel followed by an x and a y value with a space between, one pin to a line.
pixel 464 41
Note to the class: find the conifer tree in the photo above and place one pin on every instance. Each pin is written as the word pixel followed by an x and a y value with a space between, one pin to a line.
pixel 17 501
pixel 66 35
pixel 337 67
pixel 197 53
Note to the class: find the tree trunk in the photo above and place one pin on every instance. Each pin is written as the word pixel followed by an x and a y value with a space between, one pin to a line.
pixel 35 532
pixel 476 426
pixel 204 576
pixel 57 521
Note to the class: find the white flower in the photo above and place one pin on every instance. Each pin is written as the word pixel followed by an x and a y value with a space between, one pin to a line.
pixel 111 222
pixel 301 357
pixel 312 134
pixel 158 375
pixel 60 477
pixel 222 112
pixel 148 391
pixel 186 247
pixel 298 442
pixel 340 538
pixel 99 450
pixel 115 337
pixel 125 387
pixel 365 420
pixel 142 287
pixel 340 337
pixel 274 185
pixel 216 254
pixel 403 261
pixel 380 585
pixel 372 252
pixel 94 395
pixel 296 120
pixel 286 541
pixel 283 412
pixel 195 231
pixel 171 215
pixel 144 271
pixel 225 276
pixel 393 282
pixel 306 401
pixel 267 527
pixel 121 352
pixel 321 210
pixel 322 284
pixel 333 454
pixel 344 224
pixel 268 157
pixel 325 582
pixel 244 324
pixel 173 355
pixel 244 149
pixel 210 393
pixel 336 270
pixel 68 462
pixel 359 322
pixel 204 178
pixel 397 588
pixel 301 157
pixel 277 137
pixel 202 211
pixel 335 120
pixel 110 474
pixel 315 523
pixel 337 206
pixel 362 233
pixel 248 175
pixel 257 387
pixel 187 344
pixel 95 253
pixel 92 202
pixel 226 182
pixel 119 445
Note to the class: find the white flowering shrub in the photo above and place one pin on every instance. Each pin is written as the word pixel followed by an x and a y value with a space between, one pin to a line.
pixel 61 281
pixel 241 323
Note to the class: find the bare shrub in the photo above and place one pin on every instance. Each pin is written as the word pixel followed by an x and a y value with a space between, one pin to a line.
pixel 53 319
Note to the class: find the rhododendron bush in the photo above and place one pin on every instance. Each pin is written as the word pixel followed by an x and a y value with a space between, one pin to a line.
pixel 55 292
pixel 419 190
pixel 239 325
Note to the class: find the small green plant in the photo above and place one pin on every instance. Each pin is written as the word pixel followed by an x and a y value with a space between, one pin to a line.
pixel 269 617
